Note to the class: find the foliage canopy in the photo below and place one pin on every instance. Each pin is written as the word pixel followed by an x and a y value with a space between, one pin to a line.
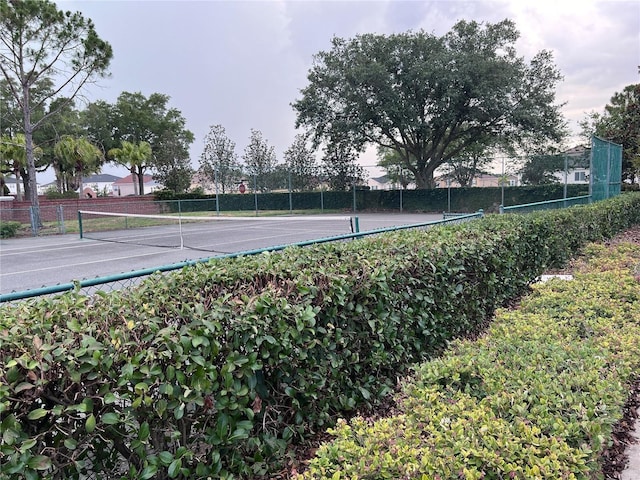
pixel 620 123
pixel 219 160
pixel 39 43
pixel 430 98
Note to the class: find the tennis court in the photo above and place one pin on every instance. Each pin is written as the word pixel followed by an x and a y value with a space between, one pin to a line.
pixel 34 262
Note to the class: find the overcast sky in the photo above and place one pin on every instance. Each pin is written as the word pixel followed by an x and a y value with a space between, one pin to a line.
pixel 242 63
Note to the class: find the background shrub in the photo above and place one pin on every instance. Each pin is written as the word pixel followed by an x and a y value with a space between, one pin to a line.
pixel 9 229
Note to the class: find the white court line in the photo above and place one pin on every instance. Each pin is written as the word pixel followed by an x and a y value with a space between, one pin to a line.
pixel 34 249
pixel 77 264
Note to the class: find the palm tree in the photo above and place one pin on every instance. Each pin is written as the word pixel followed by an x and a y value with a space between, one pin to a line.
pixel 13 157
pixel 135 158
pixel 74 158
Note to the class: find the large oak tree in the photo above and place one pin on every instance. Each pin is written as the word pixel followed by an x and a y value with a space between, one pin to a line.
pixel 430 98
pixel 38 42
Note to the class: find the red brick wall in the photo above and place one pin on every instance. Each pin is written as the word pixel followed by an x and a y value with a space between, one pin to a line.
pixel 19 211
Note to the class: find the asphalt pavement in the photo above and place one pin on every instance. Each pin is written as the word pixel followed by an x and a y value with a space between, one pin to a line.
pixel 34 262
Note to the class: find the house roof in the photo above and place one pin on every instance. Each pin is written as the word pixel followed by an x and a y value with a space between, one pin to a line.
pixel 11 180
pixel 129 180
pixel 578 150
pixel 382 179
pixel 100 178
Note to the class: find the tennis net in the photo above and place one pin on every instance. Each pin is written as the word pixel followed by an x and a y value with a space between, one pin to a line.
pixel 220 234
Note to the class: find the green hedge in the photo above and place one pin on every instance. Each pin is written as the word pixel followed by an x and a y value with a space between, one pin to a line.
pixel 536 397
pixel 215 370
pixel 9 229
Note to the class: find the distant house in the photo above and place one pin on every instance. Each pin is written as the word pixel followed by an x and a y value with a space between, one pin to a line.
pixel 489 180
pixel 100 185
pixel 578 161
pixel 199 180
pixel 124 186
pixel 380 183
pixel 481 180
pixel 10 182
pixel 385 183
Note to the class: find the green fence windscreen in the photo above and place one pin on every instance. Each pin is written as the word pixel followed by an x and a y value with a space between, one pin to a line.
pixel 606 169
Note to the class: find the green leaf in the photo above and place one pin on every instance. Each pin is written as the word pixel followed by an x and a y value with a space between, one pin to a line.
pixel 23 386
pixel 142 386
pixel 110 418
pixel 148 472
pixel 27 445
pixel 165 457
pixel 143 433
pixel 174 468
pixel 366 394
pixel 10 435
pixel 109 398
pixel 178 412
pixel 70 443
pixel 74 326
pixel 37 413
pixel 90 424
pixel 39 462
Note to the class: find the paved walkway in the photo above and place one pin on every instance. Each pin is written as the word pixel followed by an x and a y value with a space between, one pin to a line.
pixel 632 472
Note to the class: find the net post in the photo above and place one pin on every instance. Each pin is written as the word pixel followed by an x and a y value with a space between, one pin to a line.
pixel 80 222
pixel 180 225
pixel 355 225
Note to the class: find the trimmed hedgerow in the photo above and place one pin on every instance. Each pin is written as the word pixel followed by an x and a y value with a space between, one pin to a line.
pixel 214 370
pixel 536 397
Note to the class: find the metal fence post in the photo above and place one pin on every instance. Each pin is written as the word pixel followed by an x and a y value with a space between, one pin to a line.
pixel 60 214
pixel 501 209
pixel 290 195
pixel 215 174
pixel 354 196
pixel 255 192
pixel 34 216
pixel 80 224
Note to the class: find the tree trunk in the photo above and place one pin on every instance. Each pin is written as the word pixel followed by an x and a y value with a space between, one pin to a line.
pixel 25 182
pixel 140 180
pixel 424 180
pixel 31 163
pixel 134 180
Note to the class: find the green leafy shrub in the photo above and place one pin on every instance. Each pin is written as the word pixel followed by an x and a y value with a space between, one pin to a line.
pixel 536 397
pixel 9 229
pixel 53 194
pixel 214 370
